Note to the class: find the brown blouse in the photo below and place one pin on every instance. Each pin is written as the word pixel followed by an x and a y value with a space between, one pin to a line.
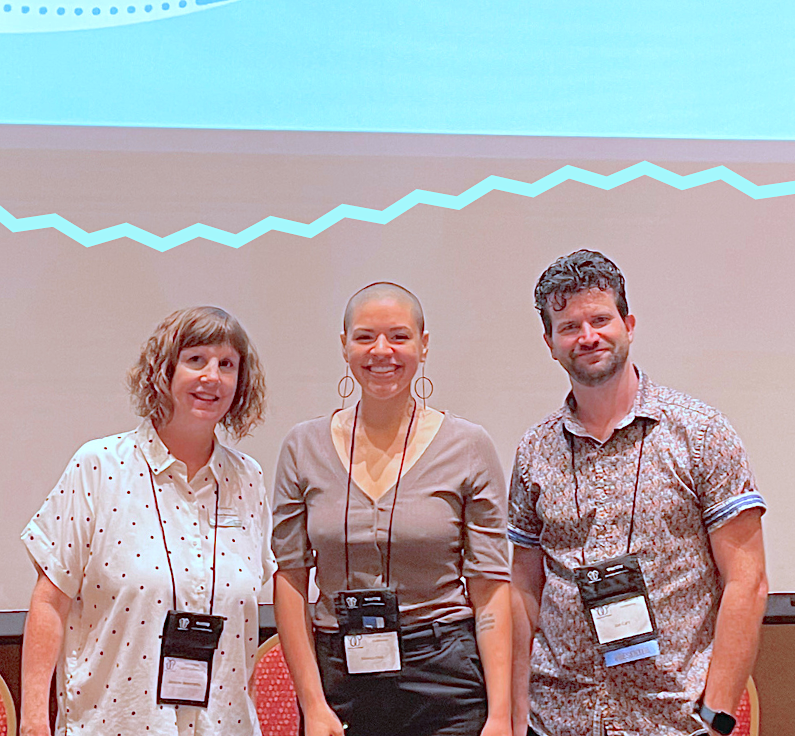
pixel 449 522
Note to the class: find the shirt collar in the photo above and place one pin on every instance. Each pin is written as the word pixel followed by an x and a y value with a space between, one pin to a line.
pixel 160 459
pixel 646 405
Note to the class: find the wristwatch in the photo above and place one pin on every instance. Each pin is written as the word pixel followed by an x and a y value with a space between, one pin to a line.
pixel 720 722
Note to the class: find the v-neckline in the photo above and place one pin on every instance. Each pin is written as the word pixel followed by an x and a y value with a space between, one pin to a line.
pixel 406 473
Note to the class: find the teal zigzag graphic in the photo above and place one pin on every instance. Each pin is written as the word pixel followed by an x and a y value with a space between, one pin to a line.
pixel 382 217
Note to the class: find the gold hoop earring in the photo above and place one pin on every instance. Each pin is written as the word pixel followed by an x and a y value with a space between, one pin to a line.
pixel 344 388
pixel 426 384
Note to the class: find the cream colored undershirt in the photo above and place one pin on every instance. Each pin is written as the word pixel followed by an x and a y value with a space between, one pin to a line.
pixel 374 470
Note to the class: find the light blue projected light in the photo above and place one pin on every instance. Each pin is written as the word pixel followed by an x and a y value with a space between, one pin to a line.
pixel 83 15
pixel 382 217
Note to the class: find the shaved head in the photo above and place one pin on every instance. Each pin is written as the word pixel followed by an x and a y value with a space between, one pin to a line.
pixel 384 290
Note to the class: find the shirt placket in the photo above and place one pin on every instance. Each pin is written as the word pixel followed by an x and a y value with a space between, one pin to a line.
pixel 600 493
pixel 191 553
pixel 382 511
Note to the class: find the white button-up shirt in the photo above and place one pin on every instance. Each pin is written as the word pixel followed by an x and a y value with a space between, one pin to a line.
pixel 98 539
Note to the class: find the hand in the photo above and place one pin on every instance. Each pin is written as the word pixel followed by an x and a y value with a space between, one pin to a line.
pixel 322 722
pixel 499 727
pixel 35 727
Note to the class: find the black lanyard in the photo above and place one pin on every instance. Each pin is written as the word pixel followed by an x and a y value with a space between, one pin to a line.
pixel 394 497
pixel 165 544
pixel 634 495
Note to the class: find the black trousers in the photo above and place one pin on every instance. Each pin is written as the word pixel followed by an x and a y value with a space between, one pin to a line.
pixel 440 690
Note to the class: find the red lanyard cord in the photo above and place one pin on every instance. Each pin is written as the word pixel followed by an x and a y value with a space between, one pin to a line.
pixel 165 544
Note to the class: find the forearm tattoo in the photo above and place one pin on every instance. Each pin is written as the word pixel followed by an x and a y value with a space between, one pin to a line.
pixel 485 622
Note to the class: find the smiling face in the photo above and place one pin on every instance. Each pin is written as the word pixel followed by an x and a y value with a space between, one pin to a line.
pixel 204 384
pixel 384 346
pixel 589 338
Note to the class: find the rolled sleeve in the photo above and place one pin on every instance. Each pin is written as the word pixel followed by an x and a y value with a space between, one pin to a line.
pixel 485 512
pixel 725 482
pixel 291 545
pixel 524 526
pixel 58 537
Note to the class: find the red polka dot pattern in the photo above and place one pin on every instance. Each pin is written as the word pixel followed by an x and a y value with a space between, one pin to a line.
pixel 98 537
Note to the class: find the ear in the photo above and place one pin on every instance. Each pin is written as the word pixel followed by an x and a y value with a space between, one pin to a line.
pixel 548 341
pixel 629 322
pixel 344 341
pixel 425 337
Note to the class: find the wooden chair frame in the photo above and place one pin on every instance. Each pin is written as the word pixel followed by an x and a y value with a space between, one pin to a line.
pixel 10 708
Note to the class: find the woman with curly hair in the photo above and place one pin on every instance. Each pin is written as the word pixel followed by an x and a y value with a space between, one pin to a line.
pixel 151 551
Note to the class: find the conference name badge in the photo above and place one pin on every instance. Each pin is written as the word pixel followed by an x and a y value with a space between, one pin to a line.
pixel 617 608
pixel 370 628
pixel 186 658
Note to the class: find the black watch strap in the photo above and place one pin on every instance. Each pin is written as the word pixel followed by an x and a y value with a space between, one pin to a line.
pixel 720 722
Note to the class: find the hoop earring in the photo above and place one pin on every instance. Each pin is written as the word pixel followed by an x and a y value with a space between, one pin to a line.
pixel 426 384
pixel 345 389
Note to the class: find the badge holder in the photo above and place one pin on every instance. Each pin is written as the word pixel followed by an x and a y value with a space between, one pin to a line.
pixel 617 607
pixel 186 658
pixel 370 627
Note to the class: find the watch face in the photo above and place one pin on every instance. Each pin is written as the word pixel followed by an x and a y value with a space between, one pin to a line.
pixel 723 723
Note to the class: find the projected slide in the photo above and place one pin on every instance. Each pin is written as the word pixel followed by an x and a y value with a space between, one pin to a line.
pixel 77 15
pixel 273 157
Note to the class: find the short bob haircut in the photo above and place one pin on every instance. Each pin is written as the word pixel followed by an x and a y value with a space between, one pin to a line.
pixel 149 380
pixel 576 272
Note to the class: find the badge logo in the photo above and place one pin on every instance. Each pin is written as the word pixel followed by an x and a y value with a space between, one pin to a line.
pixel 183 624
pixel 350 601
pixel 593 576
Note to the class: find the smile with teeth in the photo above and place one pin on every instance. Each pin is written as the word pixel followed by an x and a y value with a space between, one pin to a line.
pixel 382 370
pixel 205 397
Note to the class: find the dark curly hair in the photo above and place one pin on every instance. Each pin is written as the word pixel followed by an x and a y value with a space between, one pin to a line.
pixel 576 272
pixel 149 380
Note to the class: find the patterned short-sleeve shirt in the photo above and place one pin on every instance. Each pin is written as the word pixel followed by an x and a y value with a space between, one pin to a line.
pixel 98 539
pixel 693 477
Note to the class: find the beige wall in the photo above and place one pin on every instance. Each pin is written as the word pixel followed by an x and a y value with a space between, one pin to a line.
pixel 709 273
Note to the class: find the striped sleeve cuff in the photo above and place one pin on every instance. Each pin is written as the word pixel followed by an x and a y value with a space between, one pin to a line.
pixel 717 515
pixel 522 538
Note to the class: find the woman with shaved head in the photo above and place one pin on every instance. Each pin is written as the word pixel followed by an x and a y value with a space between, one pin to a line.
pixel 400 509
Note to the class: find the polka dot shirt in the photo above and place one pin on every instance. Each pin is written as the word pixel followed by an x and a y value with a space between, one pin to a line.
pixel 98 539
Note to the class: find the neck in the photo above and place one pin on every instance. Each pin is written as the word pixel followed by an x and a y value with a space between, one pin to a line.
pixel 600 408
pixel 385 418
pixel 193 446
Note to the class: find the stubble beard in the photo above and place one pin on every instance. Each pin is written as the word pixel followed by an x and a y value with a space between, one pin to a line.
pixel 593 376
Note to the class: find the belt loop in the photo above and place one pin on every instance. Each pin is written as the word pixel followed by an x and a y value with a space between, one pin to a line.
pixel 437 634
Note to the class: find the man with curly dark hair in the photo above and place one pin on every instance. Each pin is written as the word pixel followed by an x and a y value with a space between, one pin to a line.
pixel 638 568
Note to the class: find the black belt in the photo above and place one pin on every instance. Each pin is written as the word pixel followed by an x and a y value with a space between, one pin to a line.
pixel 413 638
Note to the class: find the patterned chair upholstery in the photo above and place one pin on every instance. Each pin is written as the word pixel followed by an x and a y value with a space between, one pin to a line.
pixel 277 705
pixel 748 712
pixel 8 712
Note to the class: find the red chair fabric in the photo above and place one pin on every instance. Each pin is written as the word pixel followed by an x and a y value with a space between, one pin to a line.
pixel 8 713
pixel 277 705
pixel 748 712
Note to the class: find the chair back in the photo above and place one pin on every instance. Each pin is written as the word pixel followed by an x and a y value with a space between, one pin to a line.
pixel 277 704
pixel 8 712
pixel 748 712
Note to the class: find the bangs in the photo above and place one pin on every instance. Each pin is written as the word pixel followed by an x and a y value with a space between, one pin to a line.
pixel 211 327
